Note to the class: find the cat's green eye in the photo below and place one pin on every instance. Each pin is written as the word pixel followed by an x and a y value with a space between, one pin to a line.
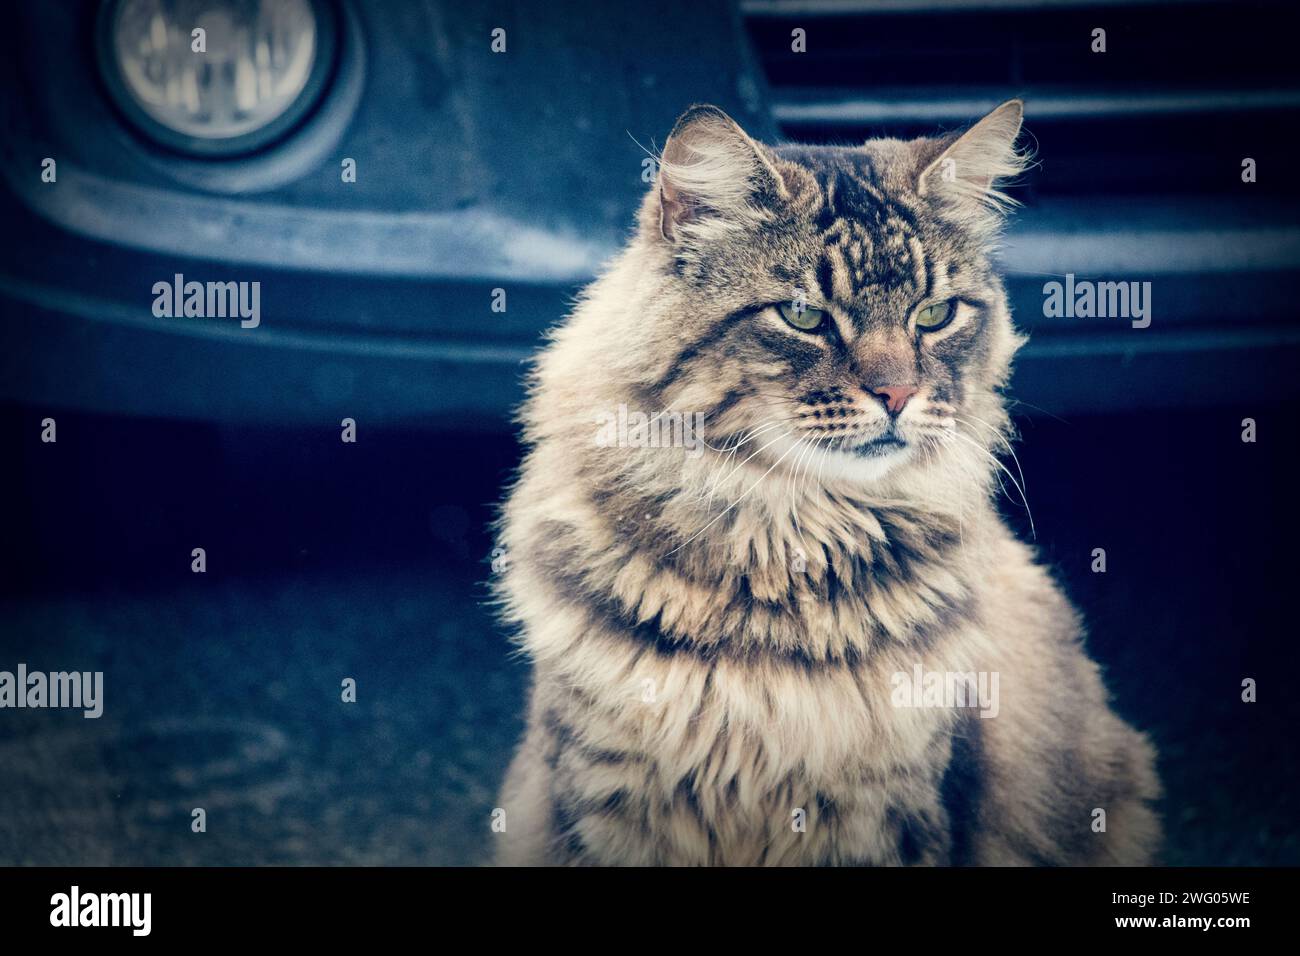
pixel 806 319
pixel 936 316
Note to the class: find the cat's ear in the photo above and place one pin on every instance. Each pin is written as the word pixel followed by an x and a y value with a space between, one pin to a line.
pixel 970 166
pixel 712 172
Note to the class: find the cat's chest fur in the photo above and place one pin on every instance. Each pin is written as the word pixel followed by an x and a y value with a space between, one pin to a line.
pixel 697 759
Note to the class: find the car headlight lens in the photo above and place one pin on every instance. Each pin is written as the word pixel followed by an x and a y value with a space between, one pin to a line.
pixel 253 77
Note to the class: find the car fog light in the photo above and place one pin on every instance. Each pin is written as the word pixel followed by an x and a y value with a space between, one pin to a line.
pixel 215 76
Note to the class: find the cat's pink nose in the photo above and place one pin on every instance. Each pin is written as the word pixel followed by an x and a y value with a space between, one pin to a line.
pixel 894 396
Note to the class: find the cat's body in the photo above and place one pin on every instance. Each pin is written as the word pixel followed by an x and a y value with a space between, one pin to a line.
pixel 720 642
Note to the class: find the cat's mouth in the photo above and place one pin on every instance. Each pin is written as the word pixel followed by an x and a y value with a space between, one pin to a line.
pixel 877 447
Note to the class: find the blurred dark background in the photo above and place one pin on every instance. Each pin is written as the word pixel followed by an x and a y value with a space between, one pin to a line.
pixel 520 171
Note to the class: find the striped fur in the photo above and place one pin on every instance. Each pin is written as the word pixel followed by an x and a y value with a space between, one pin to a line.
pixel 714 637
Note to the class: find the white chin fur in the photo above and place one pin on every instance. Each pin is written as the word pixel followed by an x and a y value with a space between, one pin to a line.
pixel 850 467
pixel 837 465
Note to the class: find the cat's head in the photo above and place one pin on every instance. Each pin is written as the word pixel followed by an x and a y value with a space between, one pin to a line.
pixel 835 299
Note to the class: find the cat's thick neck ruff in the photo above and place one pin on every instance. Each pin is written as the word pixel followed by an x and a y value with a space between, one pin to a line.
pixel 662 548
pixel 760 498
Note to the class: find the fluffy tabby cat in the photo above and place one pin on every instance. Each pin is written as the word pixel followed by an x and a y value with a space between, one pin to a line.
pixel 718 640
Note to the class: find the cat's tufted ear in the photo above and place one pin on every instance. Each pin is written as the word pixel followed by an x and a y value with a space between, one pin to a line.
pixel 971 165
pixel 710 173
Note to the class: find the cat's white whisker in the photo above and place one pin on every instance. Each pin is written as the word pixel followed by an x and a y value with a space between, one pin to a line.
pixel 752 457
pixel 794 500
pixel 742 497
pixel 1003 440
pixel 718 478
pixel 984 451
